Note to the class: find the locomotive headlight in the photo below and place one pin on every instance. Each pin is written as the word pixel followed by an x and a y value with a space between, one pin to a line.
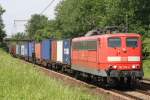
pixel 133 66
pixel 114 67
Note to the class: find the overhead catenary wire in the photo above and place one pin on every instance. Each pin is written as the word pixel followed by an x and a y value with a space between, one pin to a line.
pixel 47 7
pixel 51 2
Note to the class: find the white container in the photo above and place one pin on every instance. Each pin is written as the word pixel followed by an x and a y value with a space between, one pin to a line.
pixel 22 50
pixel 25 51
pixel 60 51
pixel 17 49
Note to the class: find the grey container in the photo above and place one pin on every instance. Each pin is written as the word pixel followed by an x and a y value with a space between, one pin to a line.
pixel 18 49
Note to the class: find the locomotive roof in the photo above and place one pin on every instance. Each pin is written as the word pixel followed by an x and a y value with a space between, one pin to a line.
pixel 105 36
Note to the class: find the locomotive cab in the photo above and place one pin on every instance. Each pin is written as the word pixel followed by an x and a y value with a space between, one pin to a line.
pixel 123 55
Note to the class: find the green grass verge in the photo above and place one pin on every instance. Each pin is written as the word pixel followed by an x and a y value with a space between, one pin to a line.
pixel 146 67
pixel 20 81
pixel 146 63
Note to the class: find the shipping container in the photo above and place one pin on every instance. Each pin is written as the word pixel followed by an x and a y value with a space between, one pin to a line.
pixel 46 49
pixel 38 50
pixel 18 49
pixel 22 50
pixel 54 51
pixel 31 48
pixel 67 51
pixel 26 49
pixel 60 51
pixel 12 49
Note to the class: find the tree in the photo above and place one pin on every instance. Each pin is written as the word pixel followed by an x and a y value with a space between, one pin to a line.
pixel 36 23
pixel 2 32
pixel 19 36
pixel 76 17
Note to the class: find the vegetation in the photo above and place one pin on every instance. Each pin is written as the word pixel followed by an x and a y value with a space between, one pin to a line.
pixel 36 25
pixel 85 15
pixel 146 67
pixel 2 32
pixel 27 83
pixel 146 61
pixel 19 36
pixel 76 17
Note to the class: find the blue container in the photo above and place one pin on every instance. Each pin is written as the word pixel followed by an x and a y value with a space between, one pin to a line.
pixel 31 48
pixel 67 51
pixel 26 49
pixel 46 49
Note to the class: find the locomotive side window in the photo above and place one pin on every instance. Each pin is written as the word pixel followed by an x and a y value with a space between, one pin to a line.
pixel 114 42
pixel 92 45
pixel 132 42
pixel 85 45
pixel 75 45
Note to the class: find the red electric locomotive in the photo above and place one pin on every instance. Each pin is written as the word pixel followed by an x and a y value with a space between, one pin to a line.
pixel 110 57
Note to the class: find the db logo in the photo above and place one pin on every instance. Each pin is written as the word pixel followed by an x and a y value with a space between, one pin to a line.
pixel 124 59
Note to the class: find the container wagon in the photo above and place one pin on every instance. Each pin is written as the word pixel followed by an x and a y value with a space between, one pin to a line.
pixel 12 50
pixel 22 51
pixel 31 51
pixel 60 51
pixel 26 51
pixel 18 50
pixel 46 52
pixel 38 52
pixel 67 52
pixel 54 51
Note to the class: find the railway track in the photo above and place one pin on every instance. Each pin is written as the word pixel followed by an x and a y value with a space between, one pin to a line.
pixel 146 79
pixel 146 82
pixel 143 93
pixel 135 95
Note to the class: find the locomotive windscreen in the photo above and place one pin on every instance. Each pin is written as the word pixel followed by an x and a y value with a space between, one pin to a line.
pixel 114 42
pixel 132 42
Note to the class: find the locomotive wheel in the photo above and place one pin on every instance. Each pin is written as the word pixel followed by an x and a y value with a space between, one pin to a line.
pixel 88 78
pixel 111 82
pixel 121 82
pixel 131 83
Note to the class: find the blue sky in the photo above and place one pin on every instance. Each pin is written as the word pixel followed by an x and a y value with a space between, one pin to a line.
pixel 22 10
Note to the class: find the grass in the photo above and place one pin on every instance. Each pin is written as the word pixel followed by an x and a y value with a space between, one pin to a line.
pixel 146 63
pixel 20 81
pixel 146 67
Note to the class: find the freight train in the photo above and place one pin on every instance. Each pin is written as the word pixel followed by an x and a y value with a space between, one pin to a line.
pixel 109 58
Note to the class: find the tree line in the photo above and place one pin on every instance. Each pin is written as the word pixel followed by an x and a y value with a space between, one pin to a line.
pixel 2 32
pixel 75 17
